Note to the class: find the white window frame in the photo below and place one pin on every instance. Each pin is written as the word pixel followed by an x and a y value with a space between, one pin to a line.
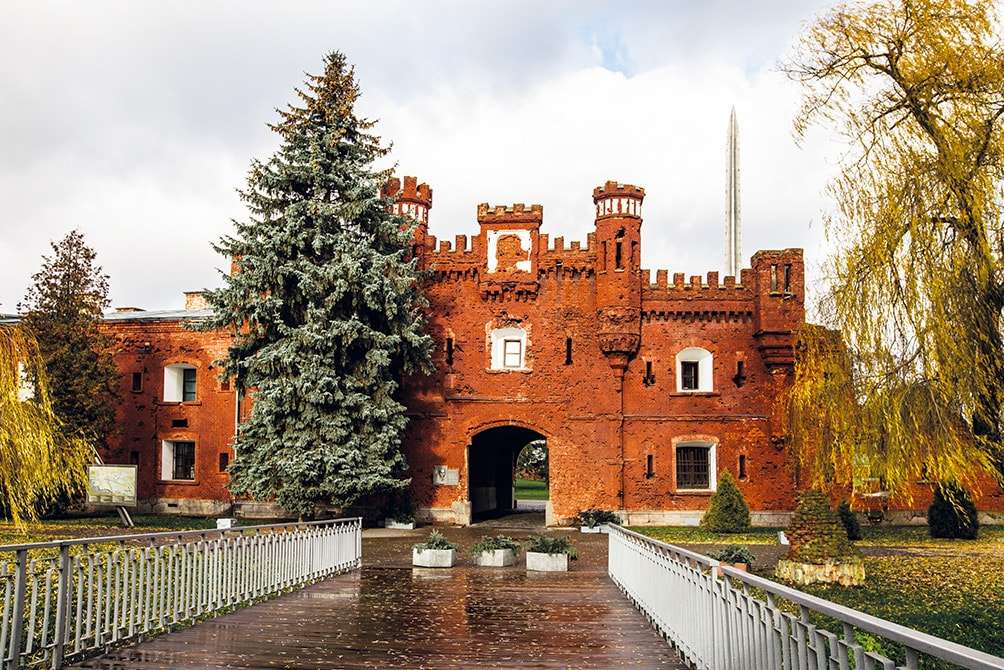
pixel 712 465
pixel 705 369
pixel 512 353
pixel 498 339
pixel 174 381
pixel 167 460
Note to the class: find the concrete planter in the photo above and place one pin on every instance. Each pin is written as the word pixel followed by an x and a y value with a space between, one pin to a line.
pixel 398 525
pixel 546 562
pixel 601 528
pixel 433 558
pixel 497 558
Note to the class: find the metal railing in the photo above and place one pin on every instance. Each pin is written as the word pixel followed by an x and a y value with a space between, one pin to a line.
pixel 64 600
pixel 720 618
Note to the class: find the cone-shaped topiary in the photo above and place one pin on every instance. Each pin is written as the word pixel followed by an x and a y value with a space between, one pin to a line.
pixel 727 511
pixel 952 514
pixel 850 521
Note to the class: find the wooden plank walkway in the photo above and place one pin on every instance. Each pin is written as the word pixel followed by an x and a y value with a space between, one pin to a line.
pixel 389 615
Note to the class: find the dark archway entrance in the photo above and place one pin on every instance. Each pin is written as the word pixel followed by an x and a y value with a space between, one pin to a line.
pixel 491 465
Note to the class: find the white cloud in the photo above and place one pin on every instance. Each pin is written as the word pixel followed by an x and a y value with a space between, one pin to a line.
pixel 136 122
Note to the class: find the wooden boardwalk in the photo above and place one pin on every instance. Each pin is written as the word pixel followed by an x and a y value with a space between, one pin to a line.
pixel 389 615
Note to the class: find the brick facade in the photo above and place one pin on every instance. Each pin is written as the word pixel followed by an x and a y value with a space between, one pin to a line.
pixel 592 343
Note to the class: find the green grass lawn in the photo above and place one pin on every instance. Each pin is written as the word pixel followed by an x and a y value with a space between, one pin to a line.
pixel 950 588
pixel 528 489
pixel 96 526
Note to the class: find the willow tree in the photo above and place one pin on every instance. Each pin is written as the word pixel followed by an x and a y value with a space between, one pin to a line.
pixel 38 460
pixel 910 385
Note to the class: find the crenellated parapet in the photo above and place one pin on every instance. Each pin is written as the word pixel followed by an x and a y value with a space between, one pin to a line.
pixel 615 199
pixel 519 214
pixel 412 199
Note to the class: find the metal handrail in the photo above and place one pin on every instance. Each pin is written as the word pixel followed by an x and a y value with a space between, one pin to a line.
pixel 135 537
pixel 738 613
pixel 57 606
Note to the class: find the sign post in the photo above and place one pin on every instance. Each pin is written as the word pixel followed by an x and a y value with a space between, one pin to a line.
pixel 113 486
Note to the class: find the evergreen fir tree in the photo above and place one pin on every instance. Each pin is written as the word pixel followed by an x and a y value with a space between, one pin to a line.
pixel 63 309
pixel 325 308
pixel 727 509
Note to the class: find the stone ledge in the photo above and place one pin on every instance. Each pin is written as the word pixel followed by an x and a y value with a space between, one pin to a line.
pixel 851 573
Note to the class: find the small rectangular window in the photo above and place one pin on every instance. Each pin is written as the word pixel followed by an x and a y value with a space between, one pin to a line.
pixel 224 461
pixel 512 353
pixel 137 382
pixel 740 377
pixel 689 373
pixel 179 423
pixel 787 278
pixel 692 467
pixel 603 257
pixel 134 457
pixel 618 255
pixel 225 384
pixel 649 378
pixel 449 351
pixel 568 351
pixel 773 278
pixel 178 461
pixel 742 467
pixel 188 385
pixel 649 466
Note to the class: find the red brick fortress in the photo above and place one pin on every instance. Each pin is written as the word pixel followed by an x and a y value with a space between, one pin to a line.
pixel 644 386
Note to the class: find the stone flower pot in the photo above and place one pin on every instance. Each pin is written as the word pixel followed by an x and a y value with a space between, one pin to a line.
pixel 393 524
pixel 433 558
pixel 599 528
pixel 546 562
pixel 497 558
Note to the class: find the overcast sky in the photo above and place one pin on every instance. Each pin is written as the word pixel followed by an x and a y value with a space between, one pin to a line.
pixel 135 121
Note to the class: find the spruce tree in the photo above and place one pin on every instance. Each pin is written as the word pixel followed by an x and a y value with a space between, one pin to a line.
pixel 325 308
pixel 63 309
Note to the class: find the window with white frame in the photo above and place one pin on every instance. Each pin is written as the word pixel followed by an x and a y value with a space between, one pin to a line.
pixel 177 460
pixel 508 349
pixel 695 467
pixel 694 371
pixel 179 383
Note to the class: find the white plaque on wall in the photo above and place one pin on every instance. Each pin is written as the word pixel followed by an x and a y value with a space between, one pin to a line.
pixel 444 476
pixel 111 485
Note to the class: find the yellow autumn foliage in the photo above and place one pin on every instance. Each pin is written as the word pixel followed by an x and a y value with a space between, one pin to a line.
pixel 910 382
pixel 38 459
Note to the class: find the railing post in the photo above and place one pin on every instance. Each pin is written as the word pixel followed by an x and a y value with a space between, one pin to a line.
pixel 62 600
pixel 17 629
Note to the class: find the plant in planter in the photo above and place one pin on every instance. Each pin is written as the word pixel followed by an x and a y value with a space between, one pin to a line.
pixel 400 514
pixel 595 520
pixel 546 553
pixel 435 552
pixel 495 551
pixel 819 551
pixel 736 556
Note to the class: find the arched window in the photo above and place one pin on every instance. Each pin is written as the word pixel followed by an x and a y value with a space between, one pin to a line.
pixel 508 349
pixel 696 468
pixel 695 371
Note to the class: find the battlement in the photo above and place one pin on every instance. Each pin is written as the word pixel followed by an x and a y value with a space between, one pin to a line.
pixel 410 191
pixel 615 199
pixel 682 286
pixel 516 213
pixel 412 199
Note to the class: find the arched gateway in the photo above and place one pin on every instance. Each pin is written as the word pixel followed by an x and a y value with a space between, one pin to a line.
pixel 491 464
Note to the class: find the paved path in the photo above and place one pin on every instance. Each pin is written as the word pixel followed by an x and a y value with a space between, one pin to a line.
pixel 389 615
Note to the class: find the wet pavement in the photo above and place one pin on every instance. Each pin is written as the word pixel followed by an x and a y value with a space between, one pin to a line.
pixel 390 615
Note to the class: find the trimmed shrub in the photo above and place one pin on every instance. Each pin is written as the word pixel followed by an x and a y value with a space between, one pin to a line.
pixel 952 514
pixel 493 543
pixel 850 521
pixel 727 511
pixel 734 553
